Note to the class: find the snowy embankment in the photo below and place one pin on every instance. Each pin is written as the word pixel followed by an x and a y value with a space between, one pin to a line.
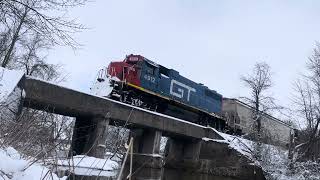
pixel 14 167
pixel 273 160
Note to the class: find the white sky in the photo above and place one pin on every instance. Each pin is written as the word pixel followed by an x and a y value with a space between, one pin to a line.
pixel 208 41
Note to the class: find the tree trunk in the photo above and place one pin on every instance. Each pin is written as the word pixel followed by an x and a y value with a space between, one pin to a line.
pixel 257 117
pixel 15 37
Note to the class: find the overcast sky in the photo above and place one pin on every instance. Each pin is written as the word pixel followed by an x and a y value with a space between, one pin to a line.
pixel 208 41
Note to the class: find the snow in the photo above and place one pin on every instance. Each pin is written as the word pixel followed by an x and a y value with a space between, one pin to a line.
pixel 8 81
pixel 241 145
pixel 89 166
pixel 215 140
pixel 89 162
pixel 102 88
pixel 13 166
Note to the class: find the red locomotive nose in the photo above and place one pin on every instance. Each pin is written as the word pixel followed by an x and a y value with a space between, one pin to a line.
pixel 127 70
pixel 115 69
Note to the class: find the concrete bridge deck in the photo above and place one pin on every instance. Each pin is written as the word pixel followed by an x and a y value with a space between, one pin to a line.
pixel 43 95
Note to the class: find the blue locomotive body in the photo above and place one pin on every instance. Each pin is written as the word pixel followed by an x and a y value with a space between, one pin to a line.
pixel 169 83
pixel 143 83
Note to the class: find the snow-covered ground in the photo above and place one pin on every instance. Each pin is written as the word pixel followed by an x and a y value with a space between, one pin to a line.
pixel 89 166
pixel 14 167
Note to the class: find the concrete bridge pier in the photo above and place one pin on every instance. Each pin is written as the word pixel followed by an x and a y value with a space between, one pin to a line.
pixel 182 153
pixel 147 163
pixel 89 136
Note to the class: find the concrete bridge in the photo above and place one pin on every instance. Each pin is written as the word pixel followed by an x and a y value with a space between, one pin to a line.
pixel 187 155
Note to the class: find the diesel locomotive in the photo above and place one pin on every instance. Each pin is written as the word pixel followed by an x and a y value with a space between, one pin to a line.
pixel 141 82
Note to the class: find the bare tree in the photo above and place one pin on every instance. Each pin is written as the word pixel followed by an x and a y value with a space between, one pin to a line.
pixel 4 39
pixel 43 18
pixel 33 60
pixel 259 81
pixel 28 28
pixel 308 102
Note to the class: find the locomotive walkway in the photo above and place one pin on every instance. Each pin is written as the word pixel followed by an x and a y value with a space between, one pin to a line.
pixel 186 152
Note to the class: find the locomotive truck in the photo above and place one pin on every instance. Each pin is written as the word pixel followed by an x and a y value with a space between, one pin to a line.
pixel 141 82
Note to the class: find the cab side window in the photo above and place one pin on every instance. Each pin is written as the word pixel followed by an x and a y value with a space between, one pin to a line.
pixel 150 69
pixel 164 72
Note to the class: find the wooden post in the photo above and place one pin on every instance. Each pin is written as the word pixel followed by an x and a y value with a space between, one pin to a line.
pixel 291 149
pixel 125 159
pixel 131 160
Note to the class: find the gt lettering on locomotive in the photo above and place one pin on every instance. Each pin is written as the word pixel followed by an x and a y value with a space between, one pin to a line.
pixel 180 90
